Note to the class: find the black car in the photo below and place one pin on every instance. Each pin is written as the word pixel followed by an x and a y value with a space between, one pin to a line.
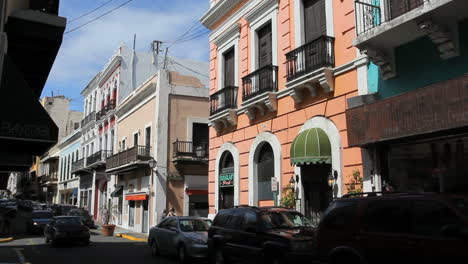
pixel 66 229
pixel 394 228
pixel 84 215
pixel 39 219
pixel 264 235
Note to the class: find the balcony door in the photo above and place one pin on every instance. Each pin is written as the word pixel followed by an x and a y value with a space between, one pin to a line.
pixel 229 65
pixel 400 7
pixel 199 136
pixel 315 26
pixel 265 53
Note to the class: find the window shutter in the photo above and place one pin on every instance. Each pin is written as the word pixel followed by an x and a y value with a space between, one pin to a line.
pixel 315 24
pixel 265 46
pixel 229 78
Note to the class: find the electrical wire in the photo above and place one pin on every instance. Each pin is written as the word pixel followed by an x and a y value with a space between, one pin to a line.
pixel 183 66
pixel 85 14
pixel 108 12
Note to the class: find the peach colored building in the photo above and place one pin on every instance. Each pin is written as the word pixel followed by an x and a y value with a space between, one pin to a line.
pixel 281 72
pixel 161 157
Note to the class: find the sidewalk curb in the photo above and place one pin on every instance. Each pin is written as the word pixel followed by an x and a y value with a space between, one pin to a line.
pixel 131 237
pixel 4 240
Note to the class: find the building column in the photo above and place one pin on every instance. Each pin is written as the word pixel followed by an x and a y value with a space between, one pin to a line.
pixel 93 189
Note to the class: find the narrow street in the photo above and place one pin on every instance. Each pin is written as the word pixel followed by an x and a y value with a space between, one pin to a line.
pixel 101 250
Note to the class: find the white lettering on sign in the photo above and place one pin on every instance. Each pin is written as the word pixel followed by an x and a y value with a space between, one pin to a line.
pixel 23 130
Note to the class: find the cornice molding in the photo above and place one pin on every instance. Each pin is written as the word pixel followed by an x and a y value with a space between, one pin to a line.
pixel 232 32
pixel 109 69
pixel 263 8
pixel 216 12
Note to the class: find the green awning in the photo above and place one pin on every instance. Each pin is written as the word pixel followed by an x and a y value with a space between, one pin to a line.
pixel 311 146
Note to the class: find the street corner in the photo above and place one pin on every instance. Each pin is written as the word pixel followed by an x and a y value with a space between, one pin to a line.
pixel 6 239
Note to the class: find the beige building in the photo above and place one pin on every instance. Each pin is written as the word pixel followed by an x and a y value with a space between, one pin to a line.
pixel 161 142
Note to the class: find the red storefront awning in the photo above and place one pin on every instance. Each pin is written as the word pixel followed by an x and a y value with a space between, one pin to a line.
pixel 136 197
pixel 196 192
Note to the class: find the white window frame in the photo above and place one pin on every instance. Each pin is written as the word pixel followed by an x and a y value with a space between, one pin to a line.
pixel 225 43
pixel 191 121
pixel 299 36
pixel 136 132
pixel 256 22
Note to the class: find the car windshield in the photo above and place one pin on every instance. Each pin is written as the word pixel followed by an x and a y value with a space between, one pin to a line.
pixel 194 225
pixel 42 215
pixel 461 203
pixel 68 221
pixel 284 219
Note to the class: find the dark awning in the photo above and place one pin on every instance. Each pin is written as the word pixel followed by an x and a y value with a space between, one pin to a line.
pixel 311 146
pixel 25 127
pixel 117 192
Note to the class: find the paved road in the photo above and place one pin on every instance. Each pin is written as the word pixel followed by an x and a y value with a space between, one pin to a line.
pixel 102 250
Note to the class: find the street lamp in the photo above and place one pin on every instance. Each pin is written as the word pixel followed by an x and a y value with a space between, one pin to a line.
pixel 292 181
pixel 152 163
pixel 332 176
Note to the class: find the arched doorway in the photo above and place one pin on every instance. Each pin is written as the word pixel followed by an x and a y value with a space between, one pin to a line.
pixel 226 181
pixel 311 154
pixel 265 171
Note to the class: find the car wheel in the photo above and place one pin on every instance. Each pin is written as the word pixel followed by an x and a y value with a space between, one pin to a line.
pixel 154 249
pixel 86 242
pixel 46 240
pixel 219 257
pixel 344 258
pixel 181 253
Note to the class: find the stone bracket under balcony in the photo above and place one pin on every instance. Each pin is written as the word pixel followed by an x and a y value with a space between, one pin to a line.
pixel 224 119
pixel 444 40
pixel 322 78
pixel 386 62
pixel 261 104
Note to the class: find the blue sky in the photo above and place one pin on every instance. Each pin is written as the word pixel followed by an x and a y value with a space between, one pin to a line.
pixel 85 51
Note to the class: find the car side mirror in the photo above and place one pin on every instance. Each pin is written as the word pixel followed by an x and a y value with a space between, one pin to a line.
pixel 173 229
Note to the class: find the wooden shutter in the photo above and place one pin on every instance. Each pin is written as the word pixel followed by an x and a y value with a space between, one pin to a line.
pixel 315 24
pixel 229 68
pixel 399 7
pixel 265 52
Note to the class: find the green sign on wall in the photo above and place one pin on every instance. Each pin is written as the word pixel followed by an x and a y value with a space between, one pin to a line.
pixel 226 178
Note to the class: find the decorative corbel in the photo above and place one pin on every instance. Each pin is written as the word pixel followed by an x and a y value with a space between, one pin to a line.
pixel 441 38
pixel 271 102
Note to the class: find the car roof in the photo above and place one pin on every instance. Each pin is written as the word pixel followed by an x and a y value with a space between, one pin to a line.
pixel 188 217
pixel 41 211
pixel 399 195
pixel 65 217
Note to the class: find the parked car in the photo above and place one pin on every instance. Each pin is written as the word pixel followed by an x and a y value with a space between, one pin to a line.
pixel 84 215
pixel 39 219
pixel 66 229
pixel 183 236
pixel 261 235
pixel 63 209
pixel 394 228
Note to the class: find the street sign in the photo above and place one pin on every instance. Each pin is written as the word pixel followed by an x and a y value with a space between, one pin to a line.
pixel 274 184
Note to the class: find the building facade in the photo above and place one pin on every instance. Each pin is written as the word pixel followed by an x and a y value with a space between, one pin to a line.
pixel 412 123
pixel 68 182
pixel 147 179
pixel 280 76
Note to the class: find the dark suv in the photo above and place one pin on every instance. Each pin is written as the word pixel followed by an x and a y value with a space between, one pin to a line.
pixel 266 234
pixel 394 228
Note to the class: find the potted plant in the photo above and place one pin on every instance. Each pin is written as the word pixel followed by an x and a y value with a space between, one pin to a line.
pixel 107 227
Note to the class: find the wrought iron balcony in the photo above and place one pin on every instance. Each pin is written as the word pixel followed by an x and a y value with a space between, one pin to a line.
pixel 78 165
pixel 128 157
pixel 370 14
pixel 260 81
pixel 99 156
pixel 312 56
pixel 223 99
pixel 188 149
pixel 46 6
pixel 111 105
pixel 89 118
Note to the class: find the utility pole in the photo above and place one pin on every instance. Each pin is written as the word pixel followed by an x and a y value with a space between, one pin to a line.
pixel 156 46
pixel 165 58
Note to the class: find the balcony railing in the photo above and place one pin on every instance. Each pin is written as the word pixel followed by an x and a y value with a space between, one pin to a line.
pixel 89 118
pixel 99 156
pixel 370 14
pixel 51 177
pixel 260 81
pixel 78 165
pixel 138 153
pixel 46 6
pixel 188 149
pixel 223 99
pixel 312 56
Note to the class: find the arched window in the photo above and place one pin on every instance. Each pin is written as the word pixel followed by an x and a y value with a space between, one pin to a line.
pixel 226 181
pixel 265 171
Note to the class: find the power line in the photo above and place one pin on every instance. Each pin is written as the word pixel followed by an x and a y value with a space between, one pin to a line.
pixel 183 66
pixel 95 9
pixel 108 12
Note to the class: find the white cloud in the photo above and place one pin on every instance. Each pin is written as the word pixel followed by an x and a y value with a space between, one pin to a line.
pixel 85 51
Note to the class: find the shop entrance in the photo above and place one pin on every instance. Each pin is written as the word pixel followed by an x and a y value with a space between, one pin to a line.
pixel 226 182
pixel 317 195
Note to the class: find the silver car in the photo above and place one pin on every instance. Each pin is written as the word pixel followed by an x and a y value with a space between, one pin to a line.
pixel 183 236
